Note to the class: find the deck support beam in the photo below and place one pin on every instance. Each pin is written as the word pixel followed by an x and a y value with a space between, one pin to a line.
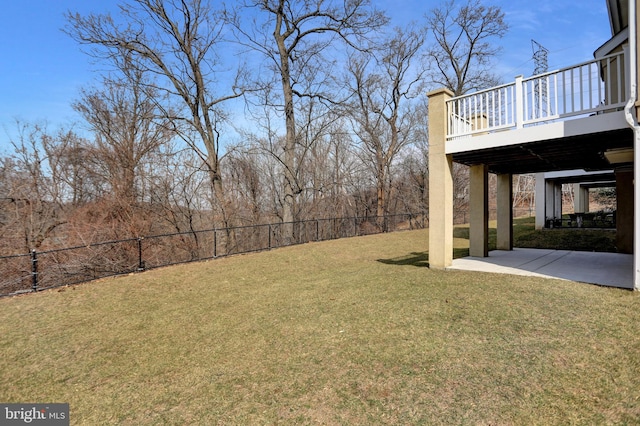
pixel 505 212
pixel 479 211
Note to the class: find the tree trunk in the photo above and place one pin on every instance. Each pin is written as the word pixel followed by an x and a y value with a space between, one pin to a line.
pixel 380 192
pixel 289 178
pixel 224 208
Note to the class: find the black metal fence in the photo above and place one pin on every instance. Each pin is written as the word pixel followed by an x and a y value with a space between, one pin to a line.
pixel 462 216
pixel 40 270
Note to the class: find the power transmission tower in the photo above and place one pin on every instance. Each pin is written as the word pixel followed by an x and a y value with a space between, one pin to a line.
pixel 540 56
pixel 524 186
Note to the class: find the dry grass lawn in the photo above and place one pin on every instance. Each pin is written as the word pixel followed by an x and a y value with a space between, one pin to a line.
pixel 353 331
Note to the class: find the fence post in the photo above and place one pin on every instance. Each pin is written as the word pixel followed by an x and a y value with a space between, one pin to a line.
pixel 141 265
pixel 215 243
pixel 34 270
pixel 269 236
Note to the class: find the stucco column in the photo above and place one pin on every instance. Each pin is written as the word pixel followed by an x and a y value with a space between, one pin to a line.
pixel 557 200
pixel 541 198
pixel 479 211
pixel 505 212
pixel 553 202
pixel 580 198
pixel 440 183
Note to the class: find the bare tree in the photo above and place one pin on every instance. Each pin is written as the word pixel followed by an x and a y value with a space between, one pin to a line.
pixel 460 57
pixel 33 203
pixel 125 122
pixel 179 42
pixel 411 182
pixel 297 38
pixel 247 184
pixel 179 194
pixel 343 169
pixel 70 163
pixel 325 170
pixel 383 119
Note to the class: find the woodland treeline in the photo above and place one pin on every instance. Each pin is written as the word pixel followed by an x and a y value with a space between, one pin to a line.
pixel 268 111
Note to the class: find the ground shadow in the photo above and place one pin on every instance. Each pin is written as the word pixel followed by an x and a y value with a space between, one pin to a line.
pixel 460 252
pixel 461 232
pixel 420 259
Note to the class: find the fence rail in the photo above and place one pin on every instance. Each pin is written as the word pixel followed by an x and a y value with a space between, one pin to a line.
pixel 40 270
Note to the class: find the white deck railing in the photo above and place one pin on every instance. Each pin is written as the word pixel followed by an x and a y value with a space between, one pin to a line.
pixel 593 87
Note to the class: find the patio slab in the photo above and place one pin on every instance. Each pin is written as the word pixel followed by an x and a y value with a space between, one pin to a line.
pixel 607 269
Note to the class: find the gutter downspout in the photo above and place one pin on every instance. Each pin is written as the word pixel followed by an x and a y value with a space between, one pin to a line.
pixel 633 123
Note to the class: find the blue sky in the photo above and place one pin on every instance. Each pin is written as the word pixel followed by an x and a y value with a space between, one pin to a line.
pixel 42 69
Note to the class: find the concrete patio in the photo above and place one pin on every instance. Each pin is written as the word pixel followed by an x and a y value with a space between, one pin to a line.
pixel 607 269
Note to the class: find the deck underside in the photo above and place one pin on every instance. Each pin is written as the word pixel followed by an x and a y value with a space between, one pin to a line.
pixel 568 145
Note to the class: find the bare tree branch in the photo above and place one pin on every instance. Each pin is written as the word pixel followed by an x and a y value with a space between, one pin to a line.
pixel 295 37
pixel 178 43
pixel 461 54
